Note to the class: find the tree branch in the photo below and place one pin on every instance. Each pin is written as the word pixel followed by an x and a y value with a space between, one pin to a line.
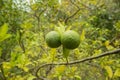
pixel 117 51
pixel 74 4
pixel 66 20
pixel 2 71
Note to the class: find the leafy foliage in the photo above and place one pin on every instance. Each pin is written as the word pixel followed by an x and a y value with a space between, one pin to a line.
pixel 24 24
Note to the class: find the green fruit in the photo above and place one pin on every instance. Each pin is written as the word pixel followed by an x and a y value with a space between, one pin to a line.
pixel 53 39
pixel 70 39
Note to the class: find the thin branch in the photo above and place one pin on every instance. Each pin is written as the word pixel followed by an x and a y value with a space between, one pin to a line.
pixel 87 7
pixel 74 4
pixel 66 20
pixel 2 71
pixel 42 11
pixel 20 41
pixel 81 4
pixel 51 67
pixel 117 51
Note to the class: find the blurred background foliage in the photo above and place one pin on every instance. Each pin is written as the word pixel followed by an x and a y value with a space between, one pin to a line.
pixel 24 24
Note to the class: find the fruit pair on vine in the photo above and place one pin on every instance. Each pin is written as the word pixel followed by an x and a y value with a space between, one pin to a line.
pixel 69 39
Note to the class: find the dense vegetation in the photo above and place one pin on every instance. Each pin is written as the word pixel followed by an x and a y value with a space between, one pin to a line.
pixel 24 54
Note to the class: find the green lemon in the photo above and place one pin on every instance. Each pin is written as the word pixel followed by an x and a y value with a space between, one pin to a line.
pixel 53 39
pixel 70 39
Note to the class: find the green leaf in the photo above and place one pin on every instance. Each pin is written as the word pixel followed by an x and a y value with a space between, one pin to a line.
pixel 3 32
pixel 117 73
pixel 31 77
pixel 60 77
pixel 0 52
pixel 77 77
pixel 82 37
pixel 117 25
pixel 3 29
pixel 26 25
pixel 34 6
pixel 60 29
pixel 109 71
pixel 2 38
pixel 60 69
pixel 65 52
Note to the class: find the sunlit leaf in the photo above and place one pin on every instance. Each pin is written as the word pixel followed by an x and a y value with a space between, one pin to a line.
pixel 69 27
pixel 25 69
pixel 117 25
pixel 117 73
pixel 7 65
pixel 31 77
pixel 107 43
pixel 117 42
pixel 61 28
pixel 97 51
pixel 53 51
pixel 60 2
pixel 60 69
pixel 0 51
pixel 60 77
pixel 18 77
pixel 21 58
pixel 34 6
pixel 66 52
pixel 109 71
pixel 3 29
pixel 2 38
pixel 26 25
pixel 73 69
pixel 82 37
pixel 3 32
pixel 107 78
pixel 110 62
pixel 77 77
pixel 108 46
